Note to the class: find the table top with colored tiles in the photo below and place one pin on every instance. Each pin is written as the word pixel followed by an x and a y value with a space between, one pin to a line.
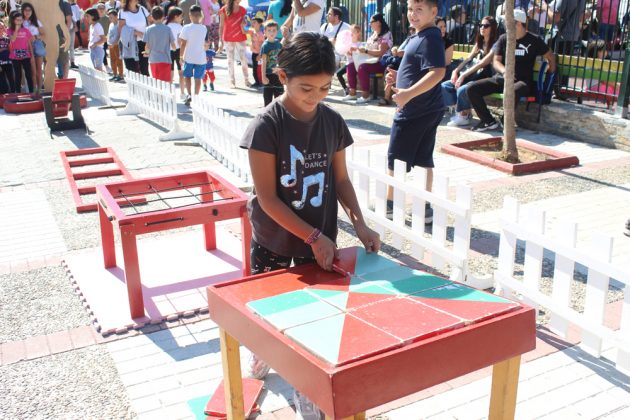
pixel 380 315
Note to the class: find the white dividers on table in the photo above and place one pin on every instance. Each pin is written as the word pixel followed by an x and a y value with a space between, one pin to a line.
pixel 220 133
pixel 156 100
pixel 597 260
pixel 94 83
pixel 370 178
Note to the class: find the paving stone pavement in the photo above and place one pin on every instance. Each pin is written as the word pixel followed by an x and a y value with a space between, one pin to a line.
pixel 153 374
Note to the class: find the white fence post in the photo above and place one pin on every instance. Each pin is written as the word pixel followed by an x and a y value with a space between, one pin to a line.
pixel 562 276
pixel 94 83
pixel 507 243
pixel 157 100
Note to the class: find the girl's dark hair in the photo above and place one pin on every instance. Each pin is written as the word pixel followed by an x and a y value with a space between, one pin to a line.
pixel 125 5
pixel 439 19
pixel 286 8
pixel 306 54
pixel 33 18
pixel 93 14
pixel 229 8
pixel 172 13
pixel 12 16
pixel 493 33
pixel 381 19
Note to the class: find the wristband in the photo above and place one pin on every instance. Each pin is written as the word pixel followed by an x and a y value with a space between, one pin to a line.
pixel 315 234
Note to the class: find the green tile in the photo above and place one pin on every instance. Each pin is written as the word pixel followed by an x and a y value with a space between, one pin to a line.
pixel 279 303
pixel 372 262
pixel 322 338
pixel 456 291
pixel 417 283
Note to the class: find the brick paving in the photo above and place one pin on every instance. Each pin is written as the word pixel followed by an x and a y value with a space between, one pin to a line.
pixel 163 366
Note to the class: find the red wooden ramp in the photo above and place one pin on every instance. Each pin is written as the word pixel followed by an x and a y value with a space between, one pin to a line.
pixel 94 156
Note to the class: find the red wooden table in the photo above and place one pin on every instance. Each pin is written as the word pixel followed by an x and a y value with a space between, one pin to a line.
pixel 401 331
pixel 173 201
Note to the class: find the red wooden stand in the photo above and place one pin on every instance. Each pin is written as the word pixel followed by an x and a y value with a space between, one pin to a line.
pixel 218 200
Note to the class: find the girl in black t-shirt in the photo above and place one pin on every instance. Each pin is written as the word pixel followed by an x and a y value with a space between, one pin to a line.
pixel 449 45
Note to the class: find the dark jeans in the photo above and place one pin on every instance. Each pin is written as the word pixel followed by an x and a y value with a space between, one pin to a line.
pixel 480 88
pixel 18 66
pixel 7 81
pixel 141 66
pixel 262 260
pixel 255 68
pixel 273 89
pixel 105 48
pixel 340 73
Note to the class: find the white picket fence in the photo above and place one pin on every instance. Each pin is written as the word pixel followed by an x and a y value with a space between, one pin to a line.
pixel 220 134
pixel 595 335
pixel 370 178
pixel 94 83
pixel 156 100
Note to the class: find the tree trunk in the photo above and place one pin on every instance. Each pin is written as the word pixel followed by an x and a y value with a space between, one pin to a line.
pixel 510 153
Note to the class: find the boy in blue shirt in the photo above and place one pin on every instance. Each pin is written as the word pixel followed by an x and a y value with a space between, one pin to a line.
pixel 209 74
pixel 417 93
pixel 268 59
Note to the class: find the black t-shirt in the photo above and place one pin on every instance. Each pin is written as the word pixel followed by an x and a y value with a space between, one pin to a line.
pixel 527 49
pixel 423 52
pixel 447 42
pixel 305 179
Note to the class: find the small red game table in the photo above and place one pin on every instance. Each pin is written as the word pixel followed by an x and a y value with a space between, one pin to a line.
pixel 374 333
pixel 173 201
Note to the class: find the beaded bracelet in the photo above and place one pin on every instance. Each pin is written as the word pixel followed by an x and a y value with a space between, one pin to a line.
pixel 315 234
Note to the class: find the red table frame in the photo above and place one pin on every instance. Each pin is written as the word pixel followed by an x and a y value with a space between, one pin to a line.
pixel 347 391
pixel 208 212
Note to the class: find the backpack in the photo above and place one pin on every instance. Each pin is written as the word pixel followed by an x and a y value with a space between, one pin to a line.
pixel 545 85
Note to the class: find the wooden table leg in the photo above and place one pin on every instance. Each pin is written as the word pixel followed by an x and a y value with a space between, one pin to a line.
pixel 107 239
pixel 231 360
pixel 132 271
pixel 246 239
pixel 504 387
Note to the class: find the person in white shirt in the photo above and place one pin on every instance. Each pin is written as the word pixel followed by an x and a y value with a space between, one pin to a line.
pixel 136 16
pixel 193 48
pixel 97 40
pixel 305 16
pixel 333 24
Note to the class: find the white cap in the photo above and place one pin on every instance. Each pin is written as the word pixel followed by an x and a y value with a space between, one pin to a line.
pixel 520 16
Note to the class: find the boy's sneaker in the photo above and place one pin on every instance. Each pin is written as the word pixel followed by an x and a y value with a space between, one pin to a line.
pixel 459 120
pixel 627 229
pixel 256 368
pixel 212 87
pixel 349 98
pixel 428 214
pixel 362 100
pixel 113 79
pixel 485 126
pixel 304 408
pixel 389 210
pixel 205 88
pixel 187 100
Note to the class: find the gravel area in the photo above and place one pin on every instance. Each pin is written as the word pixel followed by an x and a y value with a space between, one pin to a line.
pixel 38 302
pixel 492 199
pixel 79 384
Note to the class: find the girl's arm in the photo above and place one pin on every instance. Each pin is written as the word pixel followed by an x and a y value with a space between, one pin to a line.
pixel 348 200
pixel 41 31
pixel 121 24
pixel 182 48
pixel 448 55
pixel 487 59
pixel 382 49
pixel 101 41
pixel 263 69
pixel 472 55
pixel 221 23
pixel 263 167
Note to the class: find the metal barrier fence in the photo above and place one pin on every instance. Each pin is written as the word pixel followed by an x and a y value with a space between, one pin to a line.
pixel 94 83
pixel 156 100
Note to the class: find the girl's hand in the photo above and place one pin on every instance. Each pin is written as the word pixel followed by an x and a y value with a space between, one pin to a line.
pixel 264 80
pixel 390 78
pixel 370 239
pixel 459 81
pixel 325 251
pixel 454 76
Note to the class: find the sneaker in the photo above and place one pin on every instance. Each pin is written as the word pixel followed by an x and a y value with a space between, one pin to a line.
pixel 362 100
pixel 304 408
pixel 187 100
pixel 113 79
pixel 349 97
pixel 389 210
pixel 256 368
pixel 484 126
pixel 73 66
pixel 205 88
pixel 212 87
pixel 627 230
pixel 428 214
pixel 459 120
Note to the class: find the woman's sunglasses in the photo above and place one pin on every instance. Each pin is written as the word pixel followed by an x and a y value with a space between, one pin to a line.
pixel 484 25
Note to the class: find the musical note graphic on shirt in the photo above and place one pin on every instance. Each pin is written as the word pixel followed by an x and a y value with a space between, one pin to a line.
pixel 290 180
pixel 317 179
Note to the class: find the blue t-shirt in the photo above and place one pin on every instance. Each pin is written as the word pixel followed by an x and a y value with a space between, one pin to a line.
pixel 209 59
pixel 423 52
pixel 274 9
pixel 271 50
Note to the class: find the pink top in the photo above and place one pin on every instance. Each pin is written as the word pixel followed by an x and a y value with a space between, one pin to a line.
pixel 607 11
pixel 210 11
pixel 257 40
pixel 20 49
pixel 232 25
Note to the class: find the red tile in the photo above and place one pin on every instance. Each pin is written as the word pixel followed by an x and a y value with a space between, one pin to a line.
pixel 59 342
pixel 82 337
pixel 36 347
pixel 13 351
pixel 35 263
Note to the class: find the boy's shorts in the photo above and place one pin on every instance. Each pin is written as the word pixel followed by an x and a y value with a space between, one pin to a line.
pixel 96 56
pixel 161 71
pixel 412 141
pixel 194 70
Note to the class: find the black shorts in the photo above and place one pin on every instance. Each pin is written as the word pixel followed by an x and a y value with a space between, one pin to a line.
pixel 175 60
pixel 412 141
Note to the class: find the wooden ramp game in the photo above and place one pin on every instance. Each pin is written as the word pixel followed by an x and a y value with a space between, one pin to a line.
pixel 370 333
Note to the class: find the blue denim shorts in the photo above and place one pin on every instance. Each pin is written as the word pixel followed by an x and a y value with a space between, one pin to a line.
pixel 96 56
pixel 194 70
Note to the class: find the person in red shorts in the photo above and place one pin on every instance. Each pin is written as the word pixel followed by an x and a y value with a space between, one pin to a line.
pixel 159 40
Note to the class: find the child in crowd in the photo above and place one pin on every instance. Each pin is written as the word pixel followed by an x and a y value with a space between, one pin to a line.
pixel 36 27
pixel 7 81
pixel 258 38
pixel 20 51
pixel 96 39
pixel 193 48
pixel 356 41
pixel 392 61
pixel 418 95
pixel 234 38
pixel 296 144
pixel 174 22
pixel 268 58
pixel 114 49
pixel 209 74
pixel 159 41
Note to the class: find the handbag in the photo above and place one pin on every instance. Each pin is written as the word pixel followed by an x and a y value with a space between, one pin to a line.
pixel 39 48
